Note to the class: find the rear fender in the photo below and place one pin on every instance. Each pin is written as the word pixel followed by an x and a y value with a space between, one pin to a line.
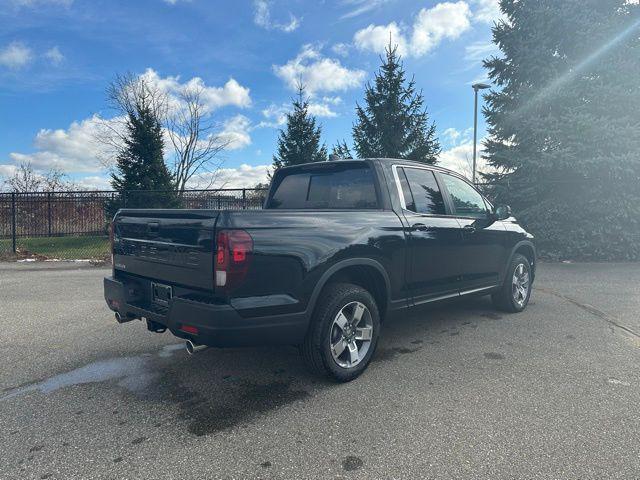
pixel 336 268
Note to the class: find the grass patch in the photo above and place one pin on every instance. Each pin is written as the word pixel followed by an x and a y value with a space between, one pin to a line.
pixel 63 248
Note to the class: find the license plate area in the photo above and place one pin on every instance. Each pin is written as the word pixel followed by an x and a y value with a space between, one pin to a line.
pixel 161 294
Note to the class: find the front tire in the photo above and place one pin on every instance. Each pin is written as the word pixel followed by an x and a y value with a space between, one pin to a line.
pixel 343 334
pixel 514 294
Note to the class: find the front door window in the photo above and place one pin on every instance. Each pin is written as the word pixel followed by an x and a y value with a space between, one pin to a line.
pixel 467 201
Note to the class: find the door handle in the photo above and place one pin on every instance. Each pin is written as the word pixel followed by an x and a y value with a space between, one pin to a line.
pixel 421 227
pixel 469 229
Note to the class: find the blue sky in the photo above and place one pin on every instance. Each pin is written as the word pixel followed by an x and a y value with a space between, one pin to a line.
pixel 57 56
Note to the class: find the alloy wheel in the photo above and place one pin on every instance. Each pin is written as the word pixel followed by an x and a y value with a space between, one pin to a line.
pixel 520 284
pixel 351 334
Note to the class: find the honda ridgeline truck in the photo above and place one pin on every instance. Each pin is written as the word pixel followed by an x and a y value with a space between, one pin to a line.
pixel 339 248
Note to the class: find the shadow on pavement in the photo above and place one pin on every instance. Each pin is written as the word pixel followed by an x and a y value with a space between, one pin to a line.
pixel 223 388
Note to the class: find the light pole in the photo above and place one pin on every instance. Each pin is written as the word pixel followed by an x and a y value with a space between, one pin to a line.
pixel 476 87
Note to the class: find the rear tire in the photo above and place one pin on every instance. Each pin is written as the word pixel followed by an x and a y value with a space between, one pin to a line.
pixel 515 292
pixel 343 333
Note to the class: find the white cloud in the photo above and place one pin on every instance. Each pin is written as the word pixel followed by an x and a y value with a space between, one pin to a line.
pixel 487 11
pixel 6 171
pixel 321 110
pixel 275 115
pixel 451 135
pixel 55 56
pixel 15 55
pixel 358 7
pixel 478 51
pixel 377 37
pixel 318 73
pixel 262 18
pixel 332 100
pixel 460 159
pixel 76 150
pixel 454 137
pixel 231 94
pixel 446 20
pixel 235 132
pixel 341 49
pixel 244 176
pixel 93 182
pixel 71 150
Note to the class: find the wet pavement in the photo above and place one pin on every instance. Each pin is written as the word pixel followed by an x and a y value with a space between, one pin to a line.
pixel 456 390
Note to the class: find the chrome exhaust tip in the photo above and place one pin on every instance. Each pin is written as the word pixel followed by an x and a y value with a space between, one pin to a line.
pixel 119 318
pixel 193 348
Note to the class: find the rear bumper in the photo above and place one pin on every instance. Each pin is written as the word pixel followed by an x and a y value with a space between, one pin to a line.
pixel 219 325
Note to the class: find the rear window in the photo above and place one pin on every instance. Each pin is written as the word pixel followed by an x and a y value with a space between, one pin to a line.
pixel 345 186
pixel 421 191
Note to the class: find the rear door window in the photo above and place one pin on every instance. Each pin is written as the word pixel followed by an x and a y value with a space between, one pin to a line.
pixel 342 187
pixel 423 195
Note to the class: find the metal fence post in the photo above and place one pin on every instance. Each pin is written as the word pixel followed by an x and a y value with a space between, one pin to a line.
pixel 244 198
pixel 49 213
pixel 13 221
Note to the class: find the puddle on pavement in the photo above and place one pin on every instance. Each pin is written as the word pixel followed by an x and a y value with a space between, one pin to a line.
pixel 132 373
pixel 205 408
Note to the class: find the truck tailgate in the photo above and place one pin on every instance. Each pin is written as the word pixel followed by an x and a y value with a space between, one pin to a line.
pixel 171 246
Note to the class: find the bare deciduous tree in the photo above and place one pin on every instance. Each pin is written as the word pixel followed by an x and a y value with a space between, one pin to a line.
pixel 187 123
pixel 126 95
pixel 196 146
pixel 27 179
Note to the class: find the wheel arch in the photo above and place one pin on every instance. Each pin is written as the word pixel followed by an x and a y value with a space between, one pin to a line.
pixel 364 272
pixel 526 248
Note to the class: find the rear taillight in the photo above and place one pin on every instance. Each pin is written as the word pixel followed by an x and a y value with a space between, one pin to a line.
pixel 234 250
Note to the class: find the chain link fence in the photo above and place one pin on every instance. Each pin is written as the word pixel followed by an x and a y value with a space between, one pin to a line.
pixel 74 225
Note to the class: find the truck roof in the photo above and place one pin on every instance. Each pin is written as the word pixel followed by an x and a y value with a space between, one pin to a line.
pixel 379 160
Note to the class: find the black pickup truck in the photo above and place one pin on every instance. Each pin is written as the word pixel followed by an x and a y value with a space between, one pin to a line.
pixel 339 248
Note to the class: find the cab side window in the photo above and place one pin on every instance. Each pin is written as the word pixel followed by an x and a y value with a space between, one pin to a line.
pixel 421 191
pixel 467 201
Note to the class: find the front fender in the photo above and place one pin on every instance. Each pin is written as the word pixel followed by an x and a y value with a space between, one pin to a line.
pixel 526 244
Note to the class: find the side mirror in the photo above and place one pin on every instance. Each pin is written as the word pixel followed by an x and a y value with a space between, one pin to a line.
pixel 502 212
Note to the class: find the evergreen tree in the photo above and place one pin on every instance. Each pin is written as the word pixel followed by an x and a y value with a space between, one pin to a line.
pixel 564 124
pixel 394 122
pixel 299 142
pixel 141 176
pixel 341 150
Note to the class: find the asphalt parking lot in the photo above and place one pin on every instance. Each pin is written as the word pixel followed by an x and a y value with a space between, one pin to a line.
pixel 457 390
